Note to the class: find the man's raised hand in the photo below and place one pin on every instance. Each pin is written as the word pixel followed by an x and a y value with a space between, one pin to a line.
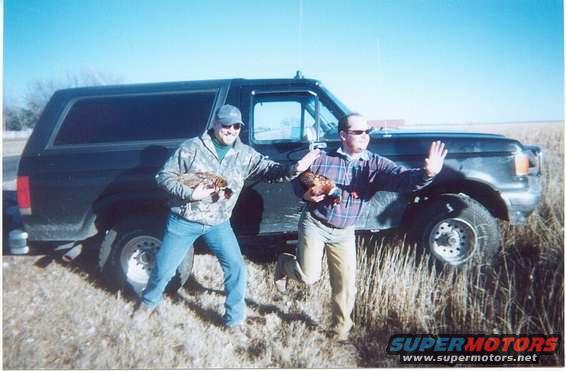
pixel 435 159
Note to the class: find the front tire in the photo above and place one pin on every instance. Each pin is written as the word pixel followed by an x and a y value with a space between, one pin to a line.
pixel 456 229
pixel 127 254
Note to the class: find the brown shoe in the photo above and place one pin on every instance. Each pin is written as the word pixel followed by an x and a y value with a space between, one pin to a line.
pixel 237 330
pixel 142 313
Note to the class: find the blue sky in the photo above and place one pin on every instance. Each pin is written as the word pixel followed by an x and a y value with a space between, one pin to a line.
pixel 425 61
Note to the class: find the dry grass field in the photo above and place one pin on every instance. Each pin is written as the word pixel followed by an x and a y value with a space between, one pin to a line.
pixel 63 316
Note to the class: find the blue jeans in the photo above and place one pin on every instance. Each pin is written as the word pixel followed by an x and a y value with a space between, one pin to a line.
pixel 220 239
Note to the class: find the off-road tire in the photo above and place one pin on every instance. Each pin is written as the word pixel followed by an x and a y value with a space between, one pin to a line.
pixel 456 229
pixel 131 242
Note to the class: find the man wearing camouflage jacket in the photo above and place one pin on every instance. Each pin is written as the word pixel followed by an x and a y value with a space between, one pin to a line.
pixel 201 212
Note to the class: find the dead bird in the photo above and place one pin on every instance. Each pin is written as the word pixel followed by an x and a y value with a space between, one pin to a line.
pixel 320 185
pixel 209 180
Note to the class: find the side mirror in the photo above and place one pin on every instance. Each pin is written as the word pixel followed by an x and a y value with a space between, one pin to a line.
pixel 315 145
pixel 311 137
pixel 310 134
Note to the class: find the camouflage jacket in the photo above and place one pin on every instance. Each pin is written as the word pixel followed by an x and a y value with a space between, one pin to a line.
pixel 198 154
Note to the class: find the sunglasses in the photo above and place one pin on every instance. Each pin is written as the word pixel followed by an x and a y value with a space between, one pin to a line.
pixel 235 126
pixel 359 132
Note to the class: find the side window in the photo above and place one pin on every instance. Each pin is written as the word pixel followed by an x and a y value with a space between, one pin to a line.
pixel 290 117
pixel 136 117
pixel 277 121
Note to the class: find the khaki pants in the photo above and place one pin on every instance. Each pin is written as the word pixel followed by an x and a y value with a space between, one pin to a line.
pixel 315 238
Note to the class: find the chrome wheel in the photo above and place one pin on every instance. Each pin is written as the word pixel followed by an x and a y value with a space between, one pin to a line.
pixel 137 260
pixel 453 240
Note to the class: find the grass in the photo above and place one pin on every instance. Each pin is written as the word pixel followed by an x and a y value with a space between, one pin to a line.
pixel 58 316
pixel 63 316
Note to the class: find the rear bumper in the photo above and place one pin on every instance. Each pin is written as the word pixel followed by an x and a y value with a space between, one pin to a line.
pixel 521 203
pixel 39 230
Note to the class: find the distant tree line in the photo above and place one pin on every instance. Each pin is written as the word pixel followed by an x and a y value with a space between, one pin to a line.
pixel 25 115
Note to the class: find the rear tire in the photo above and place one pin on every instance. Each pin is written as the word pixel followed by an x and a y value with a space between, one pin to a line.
pixel 456 229
pixel 127 253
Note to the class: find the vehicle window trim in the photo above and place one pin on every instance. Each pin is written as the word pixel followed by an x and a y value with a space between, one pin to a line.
pixel 256 92
pixel 218 92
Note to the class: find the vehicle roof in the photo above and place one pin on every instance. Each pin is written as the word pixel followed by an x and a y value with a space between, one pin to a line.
pixel 178 85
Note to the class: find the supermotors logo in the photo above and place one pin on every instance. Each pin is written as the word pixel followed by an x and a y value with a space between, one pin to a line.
pixel 472 349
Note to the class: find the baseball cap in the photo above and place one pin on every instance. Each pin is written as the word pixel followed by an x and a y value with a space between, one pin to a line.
pixel 228 115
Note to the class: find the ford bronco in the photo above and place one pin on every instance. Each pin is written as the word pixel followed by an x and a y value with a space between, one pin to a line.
pixel 88 170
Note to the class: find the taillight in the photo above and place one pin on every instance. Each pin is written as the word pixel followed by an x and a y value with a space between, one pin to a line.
pixel 24 199
pixel 521 164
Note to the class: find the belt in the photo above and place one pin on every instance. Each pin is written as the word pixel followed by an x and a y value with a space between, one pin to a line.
pixel 324 222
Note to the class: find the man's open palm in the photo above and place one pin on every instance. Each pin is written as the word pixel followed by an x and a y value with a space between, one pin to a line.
pixel 435 160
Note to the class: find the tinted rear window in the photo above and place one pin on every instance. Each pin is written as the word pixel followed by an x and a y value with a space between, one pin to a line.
pixel 132 118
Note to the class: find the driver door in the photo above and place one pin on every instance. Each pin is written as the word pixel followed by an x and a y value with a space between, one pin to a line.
pixel 281 126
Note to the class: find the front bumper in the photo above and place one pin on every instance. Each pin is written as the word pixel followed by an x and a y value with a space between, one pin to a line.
pixel 521 203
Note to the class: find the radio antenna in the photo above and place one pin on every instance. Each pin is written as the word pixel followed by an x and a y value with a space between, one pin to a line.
pixel 300 36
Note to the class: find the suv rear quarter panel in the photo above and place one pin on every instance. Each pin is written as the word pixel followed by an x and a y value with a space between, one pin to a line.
pixel 71 184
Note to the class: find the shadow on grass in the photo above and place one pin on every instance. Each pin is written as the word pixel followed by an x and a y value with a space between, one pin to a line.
pixel 194 288
pixel 86 265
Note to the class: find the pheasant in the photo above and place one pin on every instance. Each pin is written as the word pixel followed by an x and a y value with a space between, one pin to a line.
pixel 209 180
pixel 320 185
